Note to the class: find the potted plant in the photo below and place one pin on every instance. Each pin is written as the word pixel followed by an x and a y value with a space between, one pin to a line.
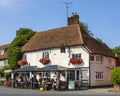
pixel 76 60
pixel 44 60
pixel 22 62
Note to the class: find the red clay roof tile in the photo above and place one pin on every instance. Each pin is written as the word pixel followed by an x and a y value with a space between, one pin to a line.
pixel 68 36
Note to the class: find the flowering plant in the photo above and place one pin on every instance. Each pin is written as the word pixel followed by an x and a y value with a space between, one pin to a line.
pixel 44 60
pixel 22 62
pixel 62 83
pixel 76 60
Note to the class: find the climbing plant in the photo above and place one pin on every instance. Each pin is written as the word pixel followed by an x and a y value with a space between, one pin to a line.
pixel 14 50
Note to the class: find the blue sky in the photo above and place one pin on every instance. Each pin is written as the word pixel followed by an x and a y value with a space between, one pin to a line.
pixel 102 17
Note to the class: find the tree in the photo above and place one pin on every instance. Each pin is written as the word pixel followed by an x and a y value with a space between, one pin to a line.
pixel 85 28
pixel 14 50
pixel 116 51
pixel 2 70
pixel 115 76
pixel 100 40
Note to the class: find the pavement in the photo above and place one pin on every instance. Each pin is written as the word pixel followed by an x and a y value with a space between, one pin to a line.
pixel 109 91
pixel 91 90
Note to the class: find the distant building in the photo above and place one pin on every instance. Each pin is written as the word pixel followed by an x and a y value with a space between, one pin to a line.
pixel 3 55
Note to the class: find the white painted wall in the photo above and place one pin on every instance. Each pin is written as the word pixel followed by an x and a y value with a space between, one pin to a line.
pixel 58 58
pixel 104 67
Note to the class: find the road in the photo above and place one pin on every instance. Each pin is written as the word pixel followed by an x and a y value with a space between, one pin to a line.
pixel 5 91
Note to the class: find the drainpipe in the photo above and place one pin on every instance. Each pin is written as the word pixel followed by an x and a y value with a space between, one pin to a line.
pixel 89 71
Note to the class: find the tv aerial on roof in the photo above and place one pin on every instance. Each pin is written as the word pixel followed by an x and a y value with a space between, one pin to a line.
pixel 67 6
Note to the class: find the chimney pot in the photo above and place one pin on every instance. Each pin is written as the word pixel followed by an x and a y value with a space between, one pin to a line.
pixel 74 19
pixel 73 14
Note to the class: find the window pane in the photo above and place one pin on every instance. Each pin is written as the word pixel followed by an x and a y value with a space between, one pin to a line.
pixel 77 75
pixel 99 75
pixel 73 55
pixel 45 55
pixel 92 58
pixel 76 55
pixel 99 58
pixel 71 75
pixel 62 49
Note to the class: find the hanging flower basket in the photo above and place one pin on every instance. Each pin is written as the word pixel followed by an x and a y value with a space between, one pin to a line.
pixel 76 60
pixel 22 62
pixel 45 60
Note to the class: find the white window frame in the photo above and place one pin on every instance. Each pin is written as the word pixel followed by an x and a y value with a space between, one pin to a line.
pixel 99 58
pixel 99 75
pixel 78 55
pixel 45 54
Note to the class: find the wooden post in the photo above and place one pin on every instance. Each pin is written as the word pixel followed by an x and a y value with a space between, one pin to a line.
pixel 12 78
pixel 58 80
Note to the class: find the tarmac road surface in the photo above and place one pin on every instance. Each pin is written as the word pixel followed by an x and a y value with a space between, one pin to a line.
pixel 5 91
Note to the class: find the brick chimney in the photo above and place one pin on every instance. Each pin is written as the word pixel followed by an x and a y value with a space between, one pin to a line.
pixel 74 19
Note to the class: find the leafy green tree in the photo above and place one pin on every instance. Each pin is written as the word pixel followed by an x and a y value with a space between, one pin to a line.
pixel 14 50
pixel 116 50
pixel 100 40
pixel 115 76
pixel 85 28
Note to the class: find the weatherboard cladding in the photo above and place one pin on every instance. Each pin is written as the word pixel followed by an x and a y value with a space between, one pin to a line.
pixel 68 36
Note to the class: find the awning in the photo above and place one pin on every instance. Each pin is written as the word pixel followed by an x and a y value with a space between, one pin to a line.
pixel 36 69
pixel 27 69
pixel 7 71
pixel 53 68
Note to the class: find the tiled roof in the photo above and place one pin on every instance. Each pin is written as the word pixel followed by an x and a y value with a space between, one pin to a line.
pixel 68 36
pixel 95 46
pixel 3 56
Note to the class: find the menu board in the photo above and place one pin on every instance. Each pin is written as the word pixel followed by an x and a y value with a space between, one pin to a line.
pixel 71 85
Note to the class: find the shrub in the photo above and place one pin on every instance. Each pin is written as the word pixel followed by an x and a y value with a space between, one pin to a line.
pixel 115 76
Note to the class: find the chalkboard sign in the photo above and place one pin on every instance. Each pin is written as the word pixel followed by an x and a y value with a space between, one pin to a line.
pixel 71 85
